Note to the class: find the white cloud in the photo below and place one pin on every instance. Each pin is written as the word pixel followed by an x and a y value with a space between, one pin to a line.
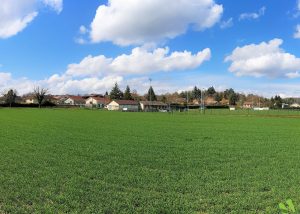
pixel 256 15
pixel 140 61
pixel 135 22
pixel 68 85
pixel 99 73
pixel 15 15
pixel 297 33
pixel 83 30
pixel 227 23
pixel 4 77
pixel 57 5
pixel 23 85
pixel 266 59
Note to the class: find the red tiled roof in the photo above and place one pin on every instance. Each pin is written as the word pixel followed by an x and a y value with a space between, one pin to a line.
pixel 76 98
pixel 101 99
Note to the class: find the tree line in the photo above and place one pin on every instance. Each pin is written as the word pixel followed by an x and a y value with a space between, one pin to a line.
pixel 229 95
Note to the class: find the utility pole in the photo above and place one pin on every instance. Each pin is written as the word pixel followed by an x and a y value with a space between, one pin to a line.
pixel 202 101
pixel 187 101
pixel 150 95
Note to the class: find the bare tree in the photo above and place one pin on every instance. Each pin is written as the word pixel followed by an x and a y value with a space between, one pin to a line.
pixel 10 97
pixel 40 95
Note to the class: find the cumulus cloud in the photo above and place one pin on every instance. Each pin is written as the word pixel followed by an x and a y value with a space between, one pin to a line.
pixel 266 59
pixel 139 61
pixel 256 15
pixel 16 15
pixel 99 73
pixel 57 5
pixel 134 22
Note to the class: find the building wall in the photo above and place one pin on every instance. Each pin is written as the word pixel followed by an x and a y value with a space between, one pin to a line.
pixel 69 101
pixel 113 106
pixel 31 101
pixel 129 107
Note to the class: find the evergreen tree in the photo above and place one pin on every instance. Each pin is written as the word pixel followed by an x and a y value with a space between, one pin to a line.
pixel 127 94
pixel 233 98
pixel 228 92
pixel 196 93
pixel 277 101
pixel 211 91
pixel 151 95
pixel 116 93
pixel 218 97
pixel 164 99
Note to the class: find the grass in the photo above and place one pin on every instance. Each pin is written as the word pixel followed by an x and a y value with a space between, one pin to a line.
pixel 82 161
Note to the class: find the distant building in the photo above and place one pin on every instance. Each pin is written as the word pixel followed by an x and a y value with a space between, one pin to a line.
pixel 30 100
pixel 153 106
pixel 210 101
pixel 248 105
pixel 284 105
pixel 75 101
pixel 123 105
pixel 97 102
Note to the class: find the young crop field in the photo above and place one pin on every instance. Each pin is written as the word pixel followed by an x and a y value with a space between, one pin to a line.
pixel 84 161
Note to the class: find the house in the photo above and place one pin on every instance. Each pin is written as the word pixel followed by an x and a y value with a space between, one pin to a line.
pixel 210 101
pixel 153 105
pixel 30 100
pixel 97 102
pixel 123 105
pixel 75 101
pixel 196 102
pixel 248 105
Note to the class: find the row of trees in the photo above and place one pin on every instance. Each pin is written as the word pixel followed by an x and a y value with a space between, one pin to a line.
pixel 117 94
pixel 196 93
pixel 233 98
pixel 39 94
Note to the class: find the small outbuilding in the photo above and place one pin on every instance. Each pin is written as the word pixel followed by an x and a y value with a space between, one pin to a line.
pixel 123 105
pixel 153 106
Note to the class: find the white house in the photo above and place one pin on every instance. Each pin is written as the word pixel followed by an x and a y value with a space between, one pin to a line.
pixel 98 102
pixel 123 105
pixel 31 100
pixel 75 101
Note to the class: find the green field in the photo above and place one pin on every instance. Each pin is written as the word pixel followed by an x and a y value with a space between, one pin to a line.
pixel 83 161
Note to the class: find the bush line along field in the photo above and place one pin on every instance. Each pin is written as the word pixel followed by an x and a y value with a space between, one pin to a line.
pixel 81 161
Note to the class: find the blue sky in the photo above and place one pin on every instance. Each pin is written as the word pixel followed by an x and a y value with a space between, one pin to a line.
pixel 86 46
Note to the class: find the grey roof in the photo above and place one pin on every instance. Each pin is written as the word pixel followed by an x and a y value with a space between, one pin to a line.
pixel 153 103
